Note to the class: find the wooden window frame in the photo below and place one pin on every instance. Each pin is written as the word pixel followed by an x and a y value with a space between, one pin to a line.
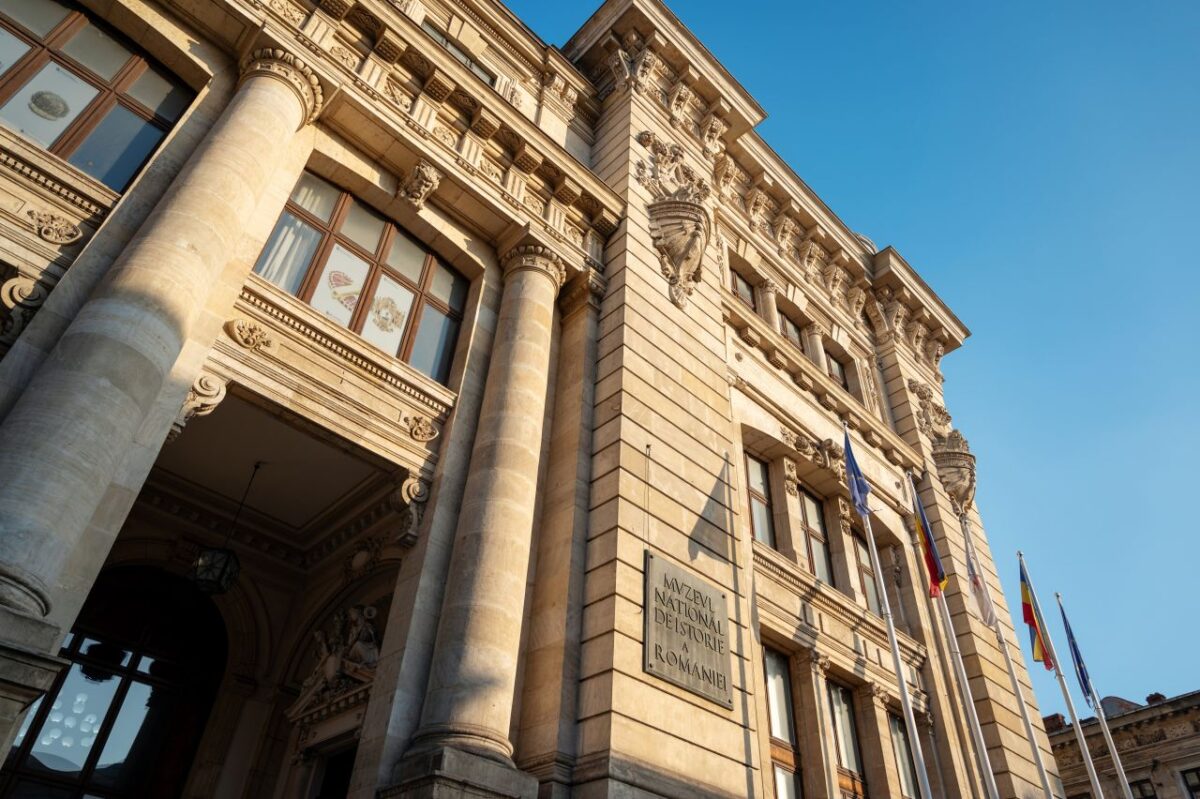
pixel 819 531
pixel 862 558
pixel 1136 787
pixel 751 301
pixel 842 375
pixel 798 341
pixel 456 50
pixel 852 784
pixel 752 494
pixel 110 93
pixel 783 753
pixel 1193 790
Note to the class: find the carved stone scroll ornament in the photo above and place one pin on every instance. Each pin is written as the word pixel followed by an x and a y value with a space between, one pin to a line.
pixel 295 72
pixel 248 334
pixel 408 501
pixel 956 469
pixel 420 183
pixel 421 428
pixel 679 222
pixel 202 399
pixel 22 296
pixel 54 228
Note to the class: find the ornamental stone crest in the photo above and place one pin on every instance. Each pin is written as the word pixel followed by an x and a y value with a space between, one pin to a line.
pixel 421 428
pixel 679 222
pixel 248 334
pixel 421 182
pixel 956 469
pixel 54 228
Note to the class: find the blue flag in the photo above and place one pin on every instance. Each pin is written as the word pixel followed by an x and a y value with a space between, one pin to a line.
pixel 1085 684
pixel 859 488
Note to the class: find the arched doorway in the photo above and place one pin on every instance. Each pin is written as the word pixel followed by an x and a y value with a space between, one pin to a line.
pixel 124 718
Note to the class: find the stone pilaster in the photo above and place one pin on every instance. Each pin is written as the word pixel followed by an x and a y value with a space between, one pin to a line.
pixel 469 700
pixel 67 435
pixel 814 345
pixel 818 757
pixel 875 740
pixel 768 306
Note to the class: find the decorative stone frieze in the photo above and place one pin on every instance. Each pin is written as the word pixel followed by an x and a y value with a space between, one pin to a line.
pixel 54 228
pixel 202 399
pixel 249 334
pixel 421 182
pixel 537 258
pixel 791 478
pixel 712 133
pixel 293 71
pixel 558 92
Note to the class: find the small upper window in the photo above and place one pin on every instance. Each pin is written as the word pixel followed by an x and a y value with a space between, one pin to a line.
pixel 1191 778
pixel 837 370
pixel 364 272
pixel 82 92
pixel 866 574
pixel 812 517
pixel 791 331
pixel 742 288
pixel 761 522
pixel 459 54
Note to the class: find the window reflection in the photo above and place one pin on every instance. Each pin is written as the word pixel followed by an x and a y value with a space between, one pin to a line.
pixel 70 728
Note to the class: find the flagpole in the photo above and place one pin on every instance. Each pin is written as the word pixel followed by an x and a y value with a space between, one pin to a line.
pixel 1062 683
pixel 1099 708
pixel 885 607
pixel 985 762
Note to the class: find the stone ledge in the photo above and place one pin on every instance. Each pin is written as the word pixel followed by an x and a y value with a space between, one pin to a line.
pixel 26 670
pixel 447 773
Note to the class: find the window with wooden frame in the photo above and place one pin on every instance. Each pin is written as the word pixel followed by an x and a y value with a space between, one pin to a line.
pixel 364 272
pixel 904 757
pixel 758 484
pixel 851 781
pixel 812 520
pixel 785 748
pixel 83 93
pixel 837 370
pixel 460 55
pixel 1191 780
pixel 1143 789
pixel 866 574
pixel 742 288
pixel 791 331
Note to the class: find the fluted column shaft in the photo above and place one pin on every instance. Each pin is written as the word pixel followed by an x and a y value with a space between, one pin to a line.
pixel 65 438
pixel 469 701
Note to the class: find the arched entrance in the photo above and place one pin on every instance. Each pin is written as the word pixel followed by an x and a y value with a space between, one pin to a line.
pixel 124 718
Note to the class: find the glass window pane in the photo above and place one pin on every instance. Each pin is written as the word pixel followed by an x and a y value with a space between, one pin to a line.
pixel 433 348
pixel 27 789
pixel 390 307
pixel 786 784
pixel 11 50
pixel 363 226
pixel 904 760
pixel 812 512
pixel 315 196
pixel 97 51
pixel 143 727
pixel 779 696
pixel 340 285
pixel 757 472
pixel 160 94
pixel 448 286
pixel 820 558
pixel 764 527
pixel 843 727
pixel 289 251
pixel 43 108
pixel 39 16
pixel 406 257
pixel 65 739
pixel 117 148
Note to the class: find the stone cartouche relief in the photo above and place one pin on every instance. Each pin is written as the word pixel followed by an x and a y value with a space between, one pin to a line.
pixel 54 228
pixel 346 655
pixel 202 399
pixel 420 427
pixel 932 419
pixel 956 469
pixel 420 183
pixel 679 221
pixel 249 334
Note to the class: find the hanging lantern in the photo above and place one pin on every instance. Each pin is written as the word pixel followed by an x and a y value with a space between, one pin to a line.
pixel 215 569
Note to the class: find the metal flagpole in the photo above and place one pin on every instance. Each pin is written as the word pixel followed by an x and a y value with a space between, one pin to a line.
pixel 1099 708
pixel 985 762
pixel 1062 683
pixel 993 621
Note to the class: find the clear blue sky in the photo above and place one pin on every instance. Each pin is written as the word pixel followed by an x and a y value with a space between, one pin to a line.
pixel 1039 164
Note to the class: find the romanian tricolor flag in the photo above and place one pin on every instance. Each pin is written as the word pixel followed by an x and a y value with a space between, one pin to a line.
pixel 1033 618
pixel 933 563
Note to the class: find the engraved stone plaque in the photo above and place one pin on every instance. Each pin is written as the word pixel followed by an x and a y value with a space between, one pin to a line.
pixel 687 631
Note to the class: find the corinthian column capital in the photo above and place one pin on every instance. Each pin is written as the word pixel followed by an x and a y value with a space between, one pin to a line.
pixel 281 65
pixel 537 258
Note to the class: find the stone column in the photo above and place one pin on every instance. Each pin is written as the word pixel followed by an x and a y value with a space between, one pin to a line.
pixel 469 700
pixel 75 422
pixel 814 345
pixel 767 303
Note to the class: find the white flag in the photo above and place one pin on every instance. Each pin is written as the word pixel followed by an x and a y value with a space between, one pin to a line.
pixel 987 611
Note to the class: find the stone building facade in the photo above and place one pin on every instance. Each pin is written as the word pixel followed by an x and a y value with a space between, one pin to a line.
pixel 1158 742
pixel 512 380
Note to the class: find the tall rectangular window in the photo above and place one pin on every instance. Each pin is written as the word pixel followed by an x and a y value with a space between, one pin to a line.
pixel 904 757
pixel 812 518
pixel 1191 778
pixel 742 288
pixel 837 370
pixel 758 478
pixel 365 273
pixel 791 331
pixel 785 756
pixel 845 736
pixel 866 574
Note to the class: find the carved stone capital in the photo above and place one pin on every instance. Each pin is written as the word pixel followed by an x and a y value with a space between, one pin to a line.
pixel 295 72
pixel 584 290
pixel 421 182
pixel 819 662
pixel 202 399
pixel 537 258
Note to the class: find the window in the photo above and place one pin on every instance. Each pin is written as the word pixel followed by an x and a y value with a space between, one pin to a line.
pixel 742 288
pixel 758 481
pixel 812 519
pixel 837 370
pixel 459 54
pixel 364 272
pixel 845 736
pixel 785 756
pixel 866 574
pixel 791 331
pixel 1191 778
pixel 904 758
pixel 1142 789
pixel 84 94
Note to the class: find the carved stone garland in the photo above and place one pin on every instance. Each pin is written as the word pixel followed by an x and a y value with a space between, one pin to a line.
pixel 679 221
